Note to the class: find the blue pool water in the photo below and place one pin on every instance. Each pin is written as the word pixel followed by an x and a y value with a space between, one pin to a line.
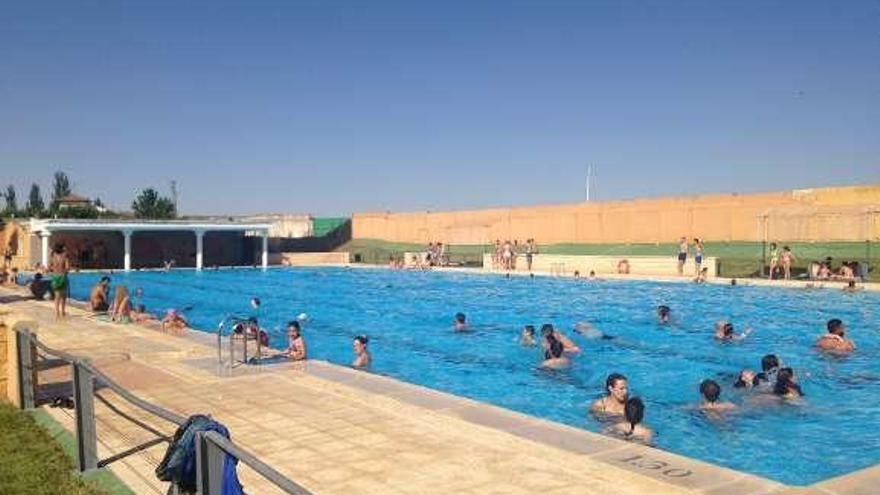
pixel 408 317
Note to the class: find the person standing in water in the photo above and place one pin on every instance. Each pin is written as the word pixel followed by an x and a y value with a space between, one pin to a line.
pixel 835 340
pixel 362 357
pixel 296 348
pixel 59 266
pixel 614 403
pixel 630 427
pixel 711 392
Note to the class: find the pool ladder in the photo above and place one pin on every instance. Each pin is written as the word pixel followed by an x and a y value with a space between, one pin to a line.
pixel 232 321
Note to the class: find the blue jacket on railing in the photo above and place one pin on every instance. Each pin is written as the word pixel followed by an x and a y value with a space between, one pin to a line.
pixel 179 464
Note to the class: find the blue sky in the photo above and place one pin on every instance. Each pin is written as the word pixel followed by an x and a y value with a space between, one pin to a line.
pixel 332 107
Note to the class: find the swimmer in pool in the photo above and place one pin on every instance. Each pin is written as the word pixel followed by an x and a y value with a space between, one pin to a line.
pixel 548 330
pixel 631 427
pixel 528 336
pixel 851 286
pixel 769 368
pixel 724 332
pixel 362 358
pixel 554 357
pixel 711 392
pixel 461 323
pixel 748 379
pixel 786 385
pixel 835 340
pixel 614 403
pixel 296 348
pixel 663 313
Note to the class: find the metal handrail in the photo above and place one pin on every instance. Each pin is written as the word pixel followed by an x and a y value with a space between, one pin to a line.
pixel 84 376
pixel 257 465
pixel 235 319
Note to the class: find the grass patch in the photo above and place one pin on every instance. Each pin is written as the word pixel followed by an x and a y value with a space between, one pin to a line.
pixel 36 458
pixel 737 259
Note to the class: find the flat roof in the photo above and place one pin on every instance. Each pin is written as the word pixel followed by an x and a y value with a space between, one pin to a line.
pixel 39 225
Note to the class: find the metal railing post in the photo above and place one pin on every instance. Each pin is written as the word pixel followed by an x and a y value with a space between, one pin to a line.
pixel 84 402
pixel 25 346
pixel 209 466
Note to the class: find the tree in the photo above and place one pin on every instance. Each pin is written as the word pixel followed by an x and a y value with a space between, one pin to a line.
pixel 11 204
pixel 148 204
pixel 35 206
pixel 60 188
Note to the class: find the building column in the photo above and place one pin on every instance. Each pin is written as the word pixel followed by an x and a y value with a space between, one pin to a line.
pixel 44 239
pixel 265 249
pixel 126 235
pixel 200 234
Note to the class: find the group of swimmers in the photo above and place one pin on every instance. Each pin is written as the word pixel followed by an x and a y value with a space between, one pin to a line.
pixel 624 414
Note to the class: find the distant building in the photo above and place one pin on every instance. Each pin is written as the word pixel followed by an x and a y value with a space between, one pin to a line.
pixel 281 225
pixel 76 201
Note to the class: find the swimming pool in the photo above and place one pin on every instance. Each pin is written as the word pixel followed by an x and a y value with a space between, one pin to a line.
pixel 408 317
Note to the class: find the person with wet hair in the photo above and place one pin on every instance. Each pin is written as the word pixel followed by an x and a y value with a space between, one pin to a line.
pixel 527 339
pixel 769 368
pixel 835 340
pixel 711 392
pixel 631 426
pixel 554 357
pixel 567 344
pixel 748 379
pixel 786 385
pixel 612 404
pixel 725 333
pixel 362 357
pixel 296 347
pixel 461 322
pixel 663 313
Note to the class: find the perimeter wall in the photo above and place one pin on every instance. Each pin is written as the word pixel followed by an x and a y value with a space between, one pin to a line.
pixel 838 213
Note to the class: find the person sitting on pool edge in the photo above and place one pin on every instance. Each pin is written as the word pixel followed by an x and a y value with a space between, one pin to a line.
pixel 711 392
pixel 630 426
pixel 554 357
pixel 835 340
pixel 140 315
pixel 174 321
pixel 614 403
pixel 527 339
pixel 461 322
pixel 98 297
pixel 296 349
pixel 663 312
pixel 786 385
pixel 548 330
pixel 362 358
pixel 121 311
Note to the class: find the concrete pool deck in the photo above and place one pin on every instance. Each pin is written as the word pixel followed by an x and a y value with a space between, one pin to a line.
pixel 337 430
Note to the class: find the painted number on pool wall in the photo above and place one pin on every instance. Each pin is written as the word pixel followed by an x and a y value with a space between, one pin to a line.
pixel 644 463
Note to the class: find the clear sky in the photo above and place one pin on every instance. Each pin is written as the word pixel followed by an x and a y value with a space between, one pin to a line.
pixel 331 107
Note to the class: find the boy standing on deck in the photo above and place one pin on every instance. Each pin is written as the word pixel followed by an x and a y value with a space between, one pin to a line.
pixel 682 255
